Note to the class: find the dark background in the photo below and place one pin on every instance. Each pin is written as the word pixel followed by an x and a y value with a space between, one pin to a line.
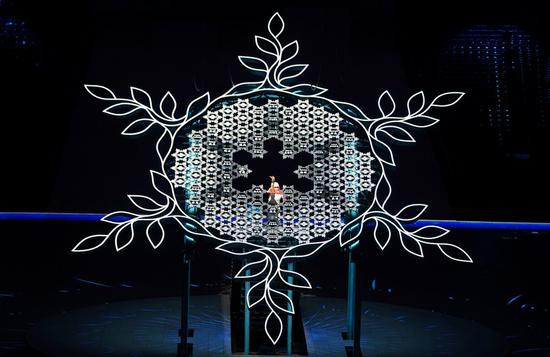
pixel 485 160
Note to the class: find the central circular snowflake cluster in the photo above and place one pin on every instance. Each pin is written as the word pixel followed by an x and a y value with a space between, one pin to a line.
pixel 206 169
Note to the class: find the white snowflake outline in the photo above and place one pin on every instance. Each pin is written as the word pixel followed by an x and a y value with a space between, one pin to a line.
pixel 268 266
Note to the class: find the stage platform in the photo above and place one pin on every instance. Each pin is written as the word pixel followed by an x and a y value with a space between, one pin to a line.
pixel 149 327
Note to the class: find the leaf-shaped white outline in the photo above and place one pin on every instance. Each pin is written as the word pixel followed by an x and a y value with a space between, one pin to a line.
pixel 168 99
pixel 280 327
pixel 243 59
pixel 356 222
pixel 249 294
pixel 320 90
pixel 294 285
pixel 89 88
pixel 241 274
pixel 107 217
pixel 380 223
pixel 382 184
pixel 415 216
pixel 134 198
pixel 123 228
pixel 431 121
pixel 272 22
pixel 389 160
pixel 127 130
pixel 446 94
pixel 285 309
pixel 416 242
pixel 294 47
pixel 405 133
pixel 87 239
pixel 194 102
pixel 281 72
pixel 135 92
pixel 149 234
pixel 410 100
pixel 418 232
pixel 385 94
pixel 155 175
pixel 109 110
pixel 468 258
pixel 259 40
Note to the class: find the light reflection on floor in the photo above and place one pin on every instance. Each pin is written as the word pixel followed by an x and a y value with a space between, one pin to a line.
pixel 150 327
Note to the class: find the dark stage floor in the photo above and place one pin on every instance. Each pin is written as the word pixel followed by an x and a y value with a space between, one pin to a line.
pixel 149 328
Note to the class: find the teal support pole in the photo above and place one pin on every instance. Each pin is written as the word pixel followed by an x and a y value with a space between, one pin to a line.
pixel 351 294
pixel 246 316
pixel 184 348
pixel 289 317
pixel 354 300
pixel 357 306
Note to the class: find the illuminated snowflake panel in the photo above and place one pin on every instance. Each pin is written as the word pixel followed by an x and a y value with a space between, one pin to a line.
pixel 205 169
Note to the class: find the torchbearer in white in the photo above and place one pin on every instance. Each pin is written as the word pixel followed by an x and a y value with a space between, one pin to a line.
pixel 275 192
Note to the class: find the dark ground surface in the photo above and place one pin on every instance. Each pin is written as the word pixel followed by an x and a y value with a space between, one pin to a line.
pixel 149 328
pixel 42 279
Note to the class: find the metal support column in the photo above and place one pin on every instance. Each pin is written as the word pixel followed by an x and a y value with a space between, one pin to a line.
pixel 357 306
pixel 351 295
pixel 246 316
pixel 354 299
pixel 289 317
pixel 185 349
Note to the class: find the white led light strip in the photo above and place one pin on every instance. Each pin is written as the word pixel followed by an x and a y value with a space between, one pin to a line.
pixel 266 265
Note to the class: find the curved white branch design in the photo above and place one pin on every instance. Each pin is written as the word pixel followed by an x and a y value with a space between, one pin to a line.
pixel 265 265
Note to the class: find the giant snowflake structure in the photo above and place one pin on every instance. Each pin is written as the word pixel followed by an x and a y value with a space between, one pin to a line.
pixel 207 183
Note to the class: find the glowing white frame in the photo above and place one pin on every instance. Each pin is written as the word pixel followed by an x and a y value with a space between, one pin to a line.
pixel 269 266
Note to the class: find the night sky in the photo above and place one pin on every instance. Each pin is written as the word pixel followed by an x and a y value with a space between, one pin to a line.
pixel 63 154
